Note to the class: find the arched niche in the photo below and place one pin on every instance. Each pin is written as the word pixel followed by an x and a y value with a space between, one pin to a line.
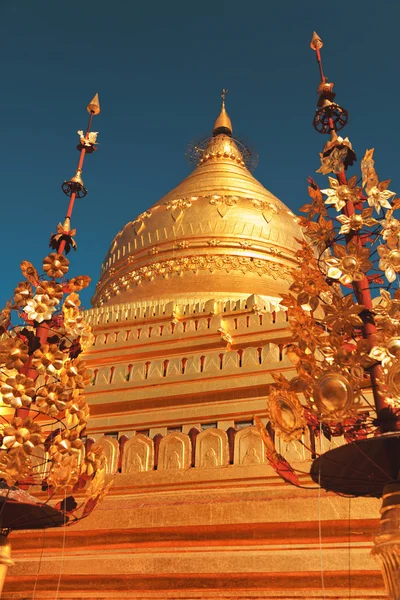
pixel 138 454
pixel 212 448
pixel 175 452
pixel 249 447
pixel 111 452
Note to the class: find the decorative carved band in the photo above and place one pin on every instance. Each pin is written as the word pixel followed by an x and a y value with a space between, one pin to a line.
pixel 194 264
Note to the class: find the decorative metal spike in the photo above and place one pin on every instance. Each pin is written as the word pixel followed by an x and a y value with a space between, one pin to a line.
pixel 316 42
pixel 93 107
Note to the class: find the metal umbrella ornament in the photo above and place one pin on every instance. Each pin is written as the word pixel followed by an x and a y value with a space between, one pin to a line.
pixel 344 314
pixel 42 377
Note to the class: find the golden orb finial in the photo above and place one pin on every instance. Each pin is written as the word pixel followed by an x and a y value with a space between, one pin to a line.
pixel 223 123
pixel 94 105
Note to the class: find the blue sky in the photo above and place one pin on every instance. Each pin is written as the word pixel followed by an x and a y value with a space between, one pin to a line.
pixel 159 68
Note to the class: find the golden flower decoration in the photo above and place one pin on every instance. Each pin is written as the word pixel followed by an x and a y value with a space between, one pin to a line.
pixel 13 353
pixel 378 196
pixel 55 265
pixel 48 359
pixel 93 461
pixel 388 310
pixel 77 411
pixel 52 289
pixel 333 163
pixel 343 314
pixel 66 443
pixel 29 272
pixel 72 301
pixel 52 399
pixel 64 474
pixel 22 293
pixel 15 465
pixel 16 389
pixel 40 308
pixel 305 330
pixel 348 266
pixel 5 316
pixel 86 337
pixel 308 285
pixel 317 206
pixel 357 221
pixel 76 284
pixel 320 233
pixel 75 374
pixel 286 414
pixel 23 433
pixel 389 261
pixel 339 195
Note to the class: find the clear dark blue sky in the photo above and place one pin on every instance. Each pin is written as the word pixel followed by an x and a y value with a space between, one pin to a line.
pixel 159 68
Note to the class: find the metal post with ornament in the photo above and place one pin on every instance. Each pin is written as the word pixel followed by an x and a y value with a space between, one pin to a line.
pixel 369 466
pixel 42 379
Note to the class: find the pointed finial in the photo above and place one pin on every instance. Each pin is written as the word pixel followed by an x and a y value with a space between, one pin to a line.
pixel 223 123
pixel 93 107
pixel 316 42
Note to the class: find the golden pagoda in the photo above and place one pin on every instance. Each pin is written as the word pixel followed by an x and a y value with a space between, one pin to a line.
pixel 188 332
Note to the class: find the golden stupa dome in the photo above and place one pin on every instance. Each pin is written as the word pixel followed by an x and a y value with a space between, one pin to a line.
pixel 218 233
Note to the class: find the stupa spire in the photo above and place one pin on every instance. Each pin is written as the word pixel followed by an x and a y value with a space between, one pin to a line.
pixel 223 123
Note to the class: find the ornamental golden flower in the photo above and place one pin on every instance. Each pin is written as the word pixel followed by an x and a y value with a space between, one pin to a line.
pixel 339 195
pixel 93 461
pixel 40 308
pixel 13 353
pixel 72 301
pixel 52 289
pixel 388 310
pixel 15 465
pixel 357 221
pixel 343 314
pixel 52 399
pixel 317 206
pixel 24 433
pixel 321 233
pixel 86 337
pixel 75 374
pixel 29 272
pixel 305 330
pixel 48 359
pixel 391 230
pixel 22 293
pixel 389 262
pixel 64 474
pixel 378 197
pixel 348 266
pixel 55 265
pixel 66 443
pixel 77 411
pixel 5 316
pixel 76 284
pixel 16 389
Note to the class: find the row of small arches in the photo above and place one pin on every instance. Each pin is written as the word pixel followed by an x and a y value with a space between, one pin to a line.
pixel 176 451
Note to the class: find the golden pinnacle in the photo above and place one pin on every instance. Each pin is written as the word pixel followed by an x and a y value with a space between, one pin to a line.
pixel 316 42
pixel 94 105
